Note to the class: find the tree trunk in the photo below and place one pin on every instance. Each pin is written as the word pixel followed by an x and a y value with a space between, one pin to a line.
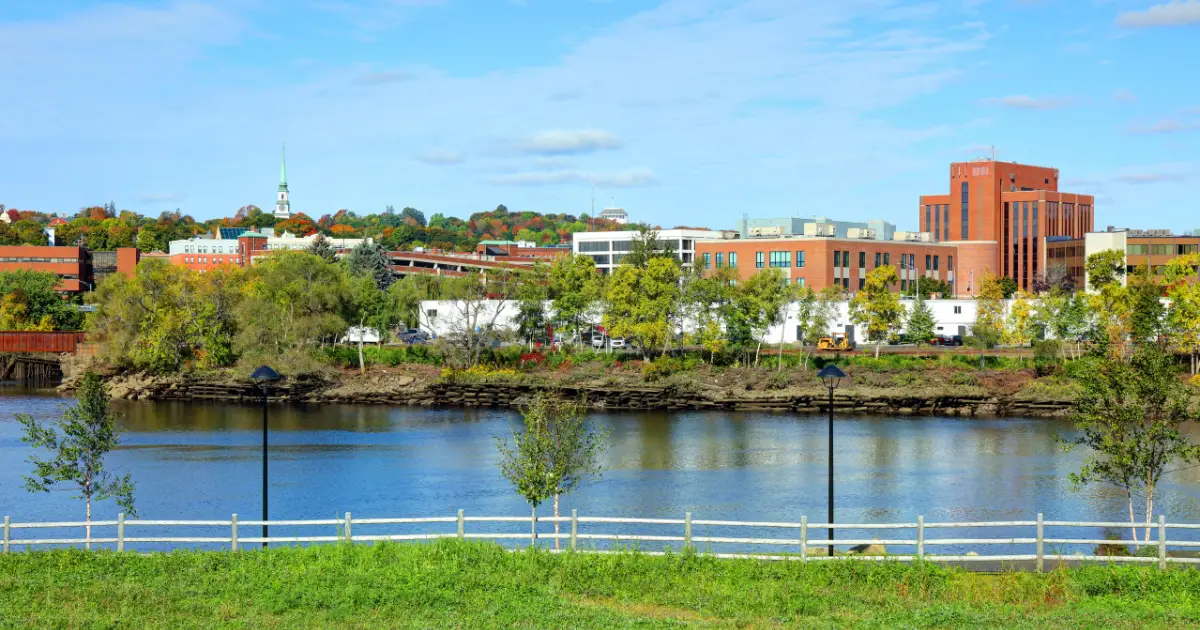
pixel 362 368
pixel 1149 509
pixel 757 351
pixel 1132 520
pixel 556 522
pixel 88 535
pixel 878 344
pixel 533 525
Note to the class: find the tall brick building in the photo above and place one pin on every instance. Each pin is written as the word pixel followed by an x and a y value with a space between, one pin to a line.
pixel 1015 206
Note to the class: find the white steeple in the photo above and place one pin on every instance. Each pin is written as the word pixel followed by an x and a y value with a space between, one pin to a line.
pixel 283 207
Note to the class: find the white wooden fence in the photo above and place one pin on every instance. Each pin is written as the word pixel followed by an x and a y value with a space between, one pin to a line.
pixel 791 540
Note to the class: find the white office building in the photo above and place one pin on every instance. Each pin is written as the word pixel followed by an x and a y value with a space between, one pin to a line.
pixel 609 248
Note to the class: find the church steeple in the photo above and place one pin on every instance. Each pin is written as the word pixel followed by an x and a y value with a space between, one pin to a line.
pixel 283 207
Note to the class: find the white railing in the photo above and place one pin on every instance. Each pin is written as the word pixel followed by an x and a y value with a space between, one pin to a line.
pixel 796 546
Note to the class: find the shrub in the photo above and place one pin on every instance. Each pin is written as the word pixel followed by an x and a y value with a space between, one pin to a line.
pixel 779 380
pixel 661 368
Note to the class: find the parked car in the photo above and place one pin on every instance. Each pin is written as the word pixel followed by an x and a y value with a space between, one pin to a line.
pixel 413 336
pixel 616 342
pixel 597 341
pixel 947 340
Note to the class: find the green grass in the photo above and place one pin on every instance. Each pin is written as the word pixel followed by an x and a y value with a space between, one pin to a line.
pixel 478 585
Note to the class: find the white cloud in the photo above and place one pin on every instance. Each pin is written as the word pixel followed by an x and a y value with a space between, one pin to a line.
pixel 1023 101
pixel 1174 13
pixel 631 178
pixel 1151 178
pixel 1166 126
pixel 561 141
pixel 1124 96
pixel 441 157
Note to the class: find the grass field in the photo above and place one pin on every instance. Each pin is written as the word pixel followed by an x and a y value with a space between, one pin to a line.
pixel 478 585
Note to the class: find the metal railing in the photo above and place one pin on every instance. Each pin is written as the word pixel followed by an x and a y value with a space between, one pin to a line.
pixel 791 540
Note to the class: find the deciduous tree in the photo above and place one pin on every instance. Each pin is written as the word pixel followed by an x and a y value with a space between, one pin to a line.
pixel 876 307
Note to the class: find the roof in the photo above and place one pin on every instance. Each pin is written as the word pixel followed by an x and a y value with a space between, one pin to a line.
pixel 251 235
pixel 56 221
pixel 231 233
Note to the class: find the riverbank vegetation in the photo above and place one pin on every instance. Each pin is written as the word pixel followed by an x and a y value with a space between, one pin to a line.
pixel 458 584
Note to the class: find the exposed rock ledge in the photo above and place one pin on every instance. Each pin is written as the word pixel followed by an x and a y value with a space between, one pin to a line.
pixel 402 389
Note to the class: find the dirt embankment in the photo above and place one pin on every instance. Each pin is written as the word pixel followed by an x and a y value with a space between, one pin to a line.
pixel 985 394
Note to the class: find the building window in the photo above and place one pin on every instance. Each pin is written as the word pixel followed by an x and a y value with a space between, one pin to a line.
pixel 958 310
pixel 733 260
pixel 720 260
pixel 846 259
pixel 758 260
pixel 800 258
pixel 862 260
pixel 949 263
pixel 800 281
pixel 595 246
pixel 937 221
pixel 837 258
pixel 903 262
pixel 708 260
pixel 928 262
pixel 1160 250
pixel 946 220
pixel 965 219
pixel 781 260
pixel 862 282
pixel 935 262
pixel 887 259
pixel 1136 250
pixel 912 262
pixel 903 285
pixel 846 284
pixel 878 258
pixel 928 223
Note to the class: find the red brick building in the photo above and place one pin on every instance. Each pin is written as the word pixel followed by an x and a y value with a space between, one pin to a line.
pixel 1015 206
pixel 78 269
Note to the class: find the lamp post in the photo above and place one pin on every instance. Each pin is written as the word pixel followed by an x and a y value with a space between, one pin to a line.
pixel 264 377
pixel 831 375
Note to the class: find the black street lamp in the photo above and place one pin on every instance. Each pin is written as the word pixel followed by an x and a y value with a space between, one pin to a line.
pixel 832 376
pixel 264 377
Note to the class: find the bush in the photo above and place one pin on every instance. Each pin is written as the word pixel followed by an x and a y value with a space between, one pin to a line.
pixel 661 368
pixel 1047 356
pixel 779 380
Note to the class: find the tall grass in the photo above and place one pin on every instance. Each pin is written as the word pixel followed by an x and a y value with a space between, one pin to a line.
pixel 460 584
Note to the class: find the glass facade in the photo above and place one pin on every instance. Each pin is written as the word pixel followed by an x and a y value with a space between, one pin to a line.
pixel 965 215
pixel 594 246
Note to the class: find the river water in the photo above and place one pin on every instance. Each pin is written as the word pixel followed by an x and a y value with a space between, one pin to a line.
pixel 203 461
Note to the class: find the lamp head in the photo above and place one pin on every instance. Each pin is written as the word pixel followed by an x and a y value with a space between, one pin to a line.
pixel 831 375
pixel 265 376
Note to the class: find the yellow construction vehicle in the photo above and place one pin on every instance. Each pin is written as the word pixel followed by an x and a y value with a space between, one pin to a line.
pixel 839 342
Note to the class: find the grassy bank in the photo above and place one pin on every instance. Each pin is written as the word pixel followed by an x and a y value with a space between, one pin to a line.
pixel 454 584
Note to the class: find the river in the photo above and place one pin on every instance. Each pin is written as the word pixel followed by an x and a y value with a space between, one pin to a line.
pixel 203 461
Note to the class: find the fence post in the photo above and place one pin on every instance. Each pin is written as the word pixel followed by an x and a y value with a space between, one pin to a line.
pixel 921 537
pixel 804 539
pixel 462 529
pixel 574 529
pixel 120 532
pixel 349 533
pixel 1162 541
pixel 687 530
pixel 233 538
pixel 1040 543
pixel 7 527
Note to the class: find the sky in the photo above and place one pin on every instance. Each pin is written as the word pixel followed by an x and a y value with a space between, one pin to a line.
pixel 683 112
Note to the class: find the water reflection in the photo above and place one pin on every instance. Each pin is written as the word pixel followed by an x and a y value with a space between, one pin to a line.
pixel 202 461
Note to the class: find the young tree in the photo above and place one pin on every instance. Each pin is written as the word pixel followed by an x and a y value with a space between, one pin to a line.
pixel 824 311
pixel 1019 326
pixel 705 299
pixel 806 303
pixel 920 323
pixel 479 302
pixel 876 307
pixel 989 315
pixel 322 248
pixel 554 454
pixel 758 304
pixel 1183 316
pixel 575 286
pixel 640 302
pixel 1146 310
pixel 1105 268
pixel 1131 416
pixel 1065 315
pixel 78 443
pixel 646 246
pixel 531 316
pixel 1008 287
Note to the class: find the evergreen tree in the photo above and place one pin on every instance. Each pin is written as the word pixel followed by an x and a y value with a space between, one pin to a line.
pixel 321 247
pixel 920 323
pixel 371 259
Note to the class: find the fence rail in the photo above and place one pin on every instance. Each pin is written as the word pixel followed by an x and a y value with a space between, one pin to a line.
pixel 798 546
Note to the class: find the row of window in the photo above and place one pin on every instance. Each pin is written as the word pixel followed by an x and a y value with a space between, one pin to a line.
pixel 5 259
pixel 721 260
pixel 216 260
pixel 1162 250
pixel 783 260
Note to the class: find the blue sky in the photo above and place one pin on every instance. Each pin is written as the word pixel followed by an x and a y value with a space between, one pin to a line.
pixel 688 112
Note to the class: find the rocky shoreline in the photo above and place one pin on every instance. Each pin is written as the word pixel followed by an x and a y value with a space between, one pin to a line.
pixel 386 388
